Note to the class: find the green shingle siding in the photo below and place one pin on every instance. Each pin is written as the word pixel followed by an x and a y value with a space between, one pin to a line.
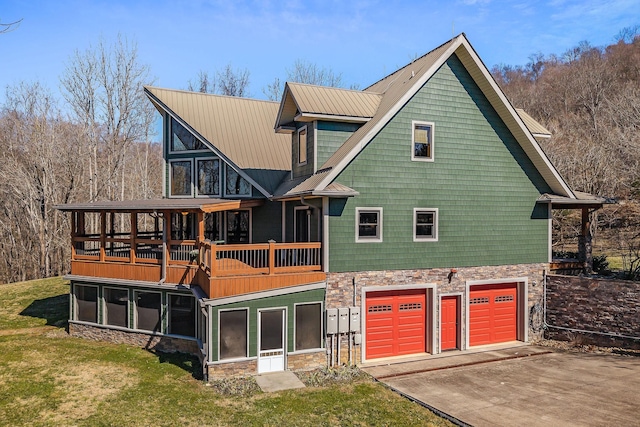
pixel 483 184
pixel 330 136
pixel 307 168
pixel 267 222
pixel 282 301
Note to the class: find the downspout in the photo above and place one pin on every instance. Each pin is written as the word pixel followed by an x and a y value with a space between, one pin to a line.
pixel 303 203
pixel 165 225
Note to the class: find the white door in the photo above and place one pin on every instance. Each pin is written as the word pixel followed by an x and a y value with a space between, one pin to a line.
pixel 271 340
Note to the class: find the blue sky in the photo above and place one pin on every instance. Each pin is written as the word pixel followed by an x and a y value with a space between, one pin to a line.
pixel 362 39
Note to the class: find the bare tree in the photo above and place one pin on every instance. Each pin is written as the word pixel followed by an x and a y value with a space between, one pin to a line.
pixel 8 27
pixel 103 86
pixel 232 82
pixel 304 72
pixel 203 83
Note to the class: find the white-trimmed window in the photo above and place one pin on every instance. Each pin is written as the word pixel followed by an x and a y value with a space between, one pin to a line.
pixel 148 310
pixel 425 225
pixel 302 145
pixel 368 224
pixel 180 172
pixel 308 326
pixel 233 333
pixel 116 307
pixel 235 185
pixel 86 303
pixel 182 315
pixel 422 141
pixel 208 176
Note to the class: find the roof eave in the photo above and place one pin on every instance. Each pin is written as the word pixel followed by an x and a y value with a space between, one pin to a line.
pixel 310 117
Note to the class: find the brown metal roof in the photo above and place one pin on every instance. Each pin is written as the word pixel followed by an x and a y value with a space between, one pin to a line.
pixel 534 127
pixel 240 128
pixel 150 205
pixel 305 102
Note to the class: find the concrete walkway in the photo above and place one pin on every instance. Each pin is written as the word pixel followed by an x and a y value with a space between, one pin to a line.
pixel 522 386
pixel 277 381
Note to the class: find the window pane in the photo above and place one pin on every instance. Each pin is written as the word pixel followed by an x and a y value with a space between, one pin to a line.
pixel 87 303
pixel 425 224
pixel 212 225
pixel 302 146
pixel 181 178
pixel 235 184
pixel 271 330
pixel 308 326
pixel 208 177
pixel 422 141
pixel 183 226
pixel 368 224
pixel 182 315
pixel 148 307
pixel 233 334
pixel 238 227
pixel 115 304
pixel 182 139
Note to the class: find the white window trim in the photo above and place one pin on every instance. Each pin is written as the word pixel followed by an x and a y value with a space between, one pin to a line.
pixel 170 136
pixel 104 307
pixel 172 196
pixel 195 177
pixel 246 309
pixel 295 330
pixel 417 238
pixel 224 183
pixel 135 311
pixel 376 239
pixel 226 229
pixel 433 145
pixel 195 314
pixel 306 133
pixel 75 303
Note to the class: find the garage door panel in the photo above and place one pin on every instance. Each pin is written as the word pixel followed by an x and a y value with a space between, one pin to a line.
pixel 395 323
pixel 492 314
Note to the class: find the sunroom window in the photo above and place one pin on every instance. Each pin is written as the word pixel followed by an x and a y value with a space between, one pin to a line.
pixel 116 303
pixel 86 303
pixel 148 311
pixel 308 326
pixel 182 315
pixel 233 334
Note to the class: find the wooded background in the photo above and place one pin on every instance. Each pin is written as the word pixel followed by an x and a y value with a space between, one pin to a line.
pixel 96 142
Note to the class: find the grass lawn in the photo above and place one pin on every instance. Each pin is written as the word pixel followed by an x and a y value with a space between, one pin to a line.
pixel 48 378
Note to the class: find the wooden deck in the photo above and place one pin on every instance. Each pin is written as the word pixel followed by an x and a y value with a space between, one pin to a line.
pixel 220 270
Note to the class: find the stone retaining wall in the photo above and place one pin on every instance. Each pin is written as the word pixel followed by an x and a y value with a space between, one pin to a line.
pixel 600 306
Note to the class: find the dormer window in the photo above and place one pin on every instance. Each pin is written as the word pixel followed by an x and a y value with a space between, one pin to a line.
pixel 302 145
pixel 183 140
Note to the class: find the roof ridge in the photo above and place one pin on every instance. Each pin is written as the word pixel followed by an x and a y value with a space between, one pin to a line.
pixel 333 87
pixel 413 61
pixel 216 95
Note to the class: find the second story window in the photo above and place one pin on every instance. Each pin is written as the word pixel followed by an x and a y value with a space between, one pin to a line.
pixel 302 146
pixel 208 171
pixel 182 140
pixel 180 171
pixel 236 185
pixel 422 149
pixel 368 224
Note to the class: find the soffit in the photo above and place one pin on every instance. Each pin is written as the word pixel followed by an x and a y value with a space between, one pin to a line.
pixel 150 205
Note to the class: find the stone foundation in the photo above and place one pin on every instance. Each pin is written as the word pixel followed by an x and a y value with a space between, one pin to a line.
pixel 306 361
pixel 340 288
pixel 232 369
pixel 599 306
pixel 163 343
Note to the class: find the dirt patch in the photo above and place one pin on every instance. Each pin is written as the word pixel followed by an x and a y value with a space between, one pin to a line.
pixel 577 346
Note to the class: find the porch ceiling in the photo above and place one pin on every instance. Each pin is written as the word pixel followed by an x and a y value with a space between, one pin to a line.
pixel 151 205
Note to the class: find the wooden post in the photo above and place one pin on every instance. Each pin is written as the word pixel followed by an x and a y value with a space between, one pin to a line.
pixel 134 237
pixel 213 256
pixel 166 232
pixel 73 234
pixel 272 257
pixel 103 235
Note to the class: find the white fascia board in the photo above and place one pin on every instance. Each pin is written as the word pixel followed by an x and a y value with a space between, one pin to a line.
pixel 388 116
pixel 209 145
pixel 530 139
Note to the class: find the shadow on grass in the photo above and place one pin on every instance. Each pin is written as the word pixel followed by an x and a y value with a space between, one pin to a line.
pixel 55 310
pixel 186 362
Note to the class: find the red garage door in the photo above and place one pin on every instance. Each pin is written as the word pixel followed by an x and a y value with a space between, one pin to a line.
pixel 492 314
pixel 395 323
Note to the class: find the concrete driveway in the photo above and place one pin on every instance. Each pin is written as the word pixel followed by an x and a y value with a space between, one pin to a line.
pixel 523 386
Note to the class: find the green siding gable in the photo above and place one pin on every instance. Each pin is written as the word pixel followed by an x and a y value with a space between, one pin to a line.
pixel 482 183
pixel 330 136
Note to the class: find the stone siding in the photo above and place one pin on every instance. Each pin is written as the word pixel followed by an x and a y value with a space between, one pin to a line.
pixel 161 343
pixel 599 306
pixel 306 361
pixel 340 288
pixel 232 369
